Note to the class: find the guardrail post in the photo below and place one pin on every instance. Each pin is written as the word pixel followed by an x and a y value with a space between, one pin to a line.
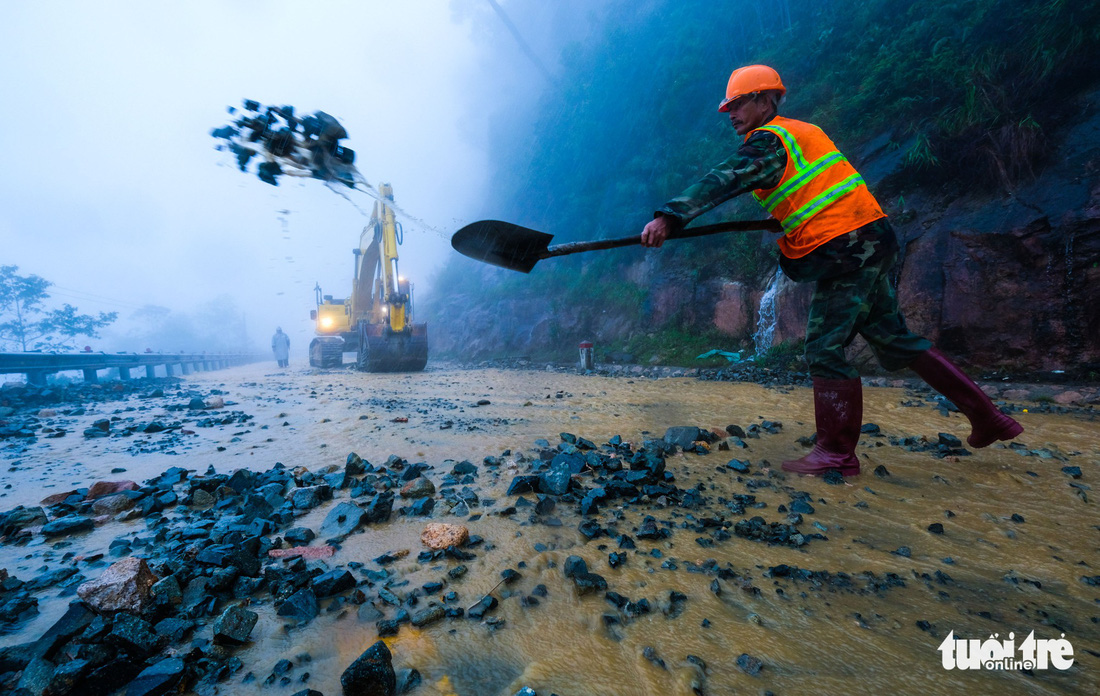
pixel 91 375
pixel 151 371
pixel 124 373
pixel 185 368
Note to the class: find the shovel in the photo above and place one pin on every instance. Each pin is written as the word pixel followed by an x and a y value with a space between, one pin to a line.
pixel 519 248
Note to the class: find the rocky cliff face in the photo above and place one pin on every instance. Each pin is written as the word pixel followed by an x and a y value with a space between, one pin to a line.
pixel 1009 282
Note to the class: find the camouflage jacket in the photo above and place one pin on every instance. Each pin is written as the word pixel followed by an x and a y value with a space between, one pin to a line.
pixel 759 164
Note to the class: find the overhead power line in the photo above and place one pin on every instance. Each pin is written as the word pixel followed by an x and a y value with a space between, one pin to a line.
pixel 521 41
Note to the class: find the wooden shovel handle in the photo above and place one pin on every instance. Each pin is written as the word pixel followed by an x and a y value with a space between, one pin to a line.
pixel 733 226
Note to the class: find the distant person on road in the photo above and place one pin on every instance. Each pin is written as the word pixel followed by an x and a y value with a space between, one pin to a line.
pixel 280 346
pixel 835 235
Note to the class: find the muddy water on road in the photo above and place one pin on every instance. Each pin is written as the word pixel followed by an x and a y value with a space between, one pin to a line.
pixel 996 575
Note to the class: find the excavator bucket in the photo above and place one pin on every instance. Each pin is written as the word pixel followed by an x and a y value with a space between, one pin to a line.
pixel 382 350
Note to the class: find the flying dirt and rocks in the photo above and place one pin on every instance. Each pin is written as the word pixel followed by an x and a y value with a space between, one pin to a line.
pixel 488 531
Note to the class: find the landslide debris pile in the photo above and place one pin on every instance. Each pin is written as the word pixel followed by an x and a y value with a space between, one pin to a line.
pixel 220 551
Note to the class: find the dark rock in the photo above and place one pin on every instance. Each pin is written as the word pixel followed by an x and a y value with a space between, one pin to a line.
pixel 173 630
pixel 573 566
pixel 407 680
pixel 234 625
pixel 134 635
pixel 881 471
pixel 380 507
pixel 67 675
pixel 333 583
pixel 70 524
pixel 354 465
pixel 310 497
pixel 75 620
pixel 587 583
pixel 750 665
pixel 683 436
pixel 1072 471
pixel 935 528
pixel 741 467
pixel 428 615
pixel 556 481
pixel 36 677
pixel 523 484
pixel 300 606
pixel 484 606
pixel 949 440
pixel 802 507
pixel 371 674
pixel 344 519
pixel 422 507
pixel 833 477
pixel 157 678
pixel 299 535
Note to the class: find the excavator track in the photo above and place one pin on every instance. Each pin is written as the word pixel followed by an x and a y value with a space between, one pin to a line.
pixel 382 350
pixel 326 351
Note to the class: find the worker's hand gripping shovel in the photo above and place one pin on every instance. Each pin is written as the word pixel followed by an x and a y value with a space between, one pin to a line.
pixel 519 249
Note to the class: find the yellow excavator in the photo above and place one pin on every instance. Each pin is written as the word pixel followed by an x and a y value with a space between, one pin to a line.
pixel 376 320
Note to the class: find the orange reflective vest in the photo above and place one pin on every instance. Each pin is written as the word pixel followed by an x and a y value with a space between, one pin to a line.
pixel 821 196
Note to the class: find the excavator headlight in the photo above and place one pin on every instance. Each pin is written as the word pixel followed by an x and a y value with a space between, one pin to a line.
pixel 326 322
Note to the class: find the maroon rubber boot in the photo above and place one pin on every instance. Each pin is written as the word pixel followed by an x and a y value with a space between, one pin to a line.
pixel 987 423
pixel 838 412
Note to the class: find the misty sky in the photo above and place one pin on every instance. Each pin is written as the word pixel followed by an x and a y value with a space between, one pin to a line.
pixel 112 188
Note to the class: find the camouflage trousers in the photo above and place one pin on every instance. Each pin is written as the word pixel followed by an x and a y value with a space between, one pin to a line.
pixel 860 302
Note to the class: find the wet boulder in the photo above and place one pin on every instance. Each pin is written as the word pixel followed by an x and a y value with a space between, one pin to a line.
pixel 333 583
pixel 135 636
pixel 380 507
pixel 113 504
pixel 301 606
pixel 344 519
pixel 20 518
pixel 523 483
pixel 573 566
pixel 124 586
pixel 418 487
pixel 159 678
pixel 69 524
pixel 309 497
pixel 684 436
pixel 555 481
pixel 587 583
pixel 371 674
pixel 422 507
pixel 234 625
pixel 100 489
pixel 354 465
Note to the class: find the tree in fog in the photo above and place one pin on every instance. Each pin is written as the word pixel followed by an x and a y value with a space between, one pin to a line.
pixel 217 327
pixel 27 323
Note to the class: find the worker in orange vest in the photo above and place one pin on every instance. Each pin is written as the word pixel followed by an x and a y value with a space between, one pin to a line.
pixel 835 235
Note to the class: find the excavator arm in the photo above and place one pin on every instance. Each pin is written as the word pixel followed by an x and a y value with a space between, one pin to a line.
pixel 378 322
pixel 382 299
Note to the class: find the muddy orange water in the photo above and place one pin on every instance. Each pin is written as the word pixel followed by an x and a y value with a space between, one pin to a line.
pixel 996 576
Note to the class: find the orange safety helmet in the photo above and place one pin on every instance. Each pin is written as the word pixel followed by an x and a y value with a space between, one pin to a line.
pixel 750 79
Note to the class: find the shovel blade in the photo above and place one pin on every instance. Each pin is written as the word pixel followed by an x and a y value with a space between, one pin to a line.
pixel 502 244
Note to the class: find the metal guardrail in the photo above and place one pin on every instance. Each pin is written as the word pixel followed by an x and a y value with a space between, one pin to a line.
pixel 37 365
